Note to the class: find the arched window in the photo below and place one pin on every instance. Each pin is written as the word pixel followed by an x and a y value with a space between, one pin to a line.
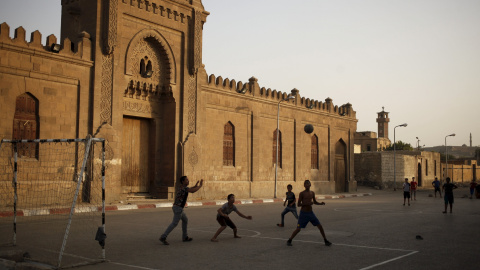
pixel 274 152
pixel 142 67
pixel 149 66
pixel 314 152
pixel 25 124
pixel 229 145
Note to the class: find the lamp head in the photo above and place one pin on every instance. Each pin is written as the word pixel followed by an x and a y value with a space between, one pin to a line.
pixel 290 97
pixel 403 125
pixel 452 135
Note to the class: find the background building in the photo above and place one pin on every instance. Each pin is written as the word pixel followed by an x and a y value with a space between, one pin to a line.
pixel 368 140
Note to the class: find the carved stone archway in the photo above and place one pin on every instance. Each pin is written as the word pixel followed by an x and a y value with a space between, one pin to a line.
pixel 142 43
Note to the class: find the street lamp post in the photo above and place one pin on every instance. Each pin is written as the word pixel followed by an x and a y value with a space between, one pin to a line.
pixel 418 143
pixel 278 124
pixel 394 159
pixel 446 154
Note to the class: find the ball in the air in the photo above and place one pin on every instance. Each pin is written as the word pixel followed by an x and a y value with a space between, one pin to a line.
pixel 308 128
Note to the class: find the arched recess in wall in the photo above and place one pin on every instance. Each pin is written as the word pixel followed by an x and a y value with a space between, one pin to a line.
pixel 149 41
pixel 340 166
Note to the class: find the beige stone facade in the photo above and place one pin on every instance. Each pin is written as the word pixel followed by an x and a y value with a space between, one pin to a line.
pixel 463 171
pixel 134 68
pixel 377 168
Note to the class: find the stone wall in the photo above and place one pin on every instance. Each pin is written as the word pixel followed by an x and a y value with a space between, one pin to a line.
pixel 462 174
pixel 377 168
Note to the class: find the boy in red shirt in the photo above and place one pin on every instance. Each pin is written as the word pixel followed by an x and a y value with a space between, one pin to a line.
pixel 413 189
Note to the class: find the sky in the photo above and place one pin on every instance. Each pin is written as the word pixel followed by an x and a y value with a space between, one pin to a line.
pixel 419 59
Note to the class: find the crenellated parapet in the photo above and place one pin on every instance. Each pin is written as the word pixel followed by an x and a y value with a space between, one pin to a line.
pixel 251 88
pixel 81 50
pixel 158 9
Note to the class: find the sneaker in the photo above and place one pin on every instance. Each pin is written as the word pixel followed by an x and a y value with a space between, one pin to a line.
pixel 280 225
pixel 327 243
pixel 187 239
pixel 289 243
pixel 164 241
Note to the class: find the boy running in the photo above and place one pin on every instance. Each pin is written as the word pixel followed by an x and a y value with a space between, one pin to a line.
pixel 305 200
pixel 291 207
pixel 224 220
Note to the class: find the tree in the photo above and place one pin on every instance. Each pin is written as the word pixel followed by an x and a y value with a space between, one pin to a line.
pixel 399 145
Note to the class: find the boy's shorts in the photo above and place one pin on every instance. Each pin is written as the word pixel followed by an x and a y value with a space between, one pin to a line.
pixel 448 198
pixel 305 218
pixel 406 194
pixel 223 221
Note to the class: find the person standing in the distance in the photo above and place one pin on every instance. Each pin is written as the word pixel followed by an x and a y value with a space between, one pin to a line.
pixel 178 213
pixel 413 189
pixel 448 191
pixel 306 199
pixel 406 192
pixel 436 185
pixel 290 202
pixel 473 185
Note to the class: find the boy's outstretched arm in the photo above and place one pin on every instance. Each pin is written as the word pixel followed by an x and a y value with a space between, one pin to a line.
pixel 315 200
pixel 242 215
pixel 196 187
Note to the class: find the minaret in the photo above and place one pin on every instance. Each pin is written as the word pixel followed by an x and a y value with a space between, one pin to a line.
pixel 382 121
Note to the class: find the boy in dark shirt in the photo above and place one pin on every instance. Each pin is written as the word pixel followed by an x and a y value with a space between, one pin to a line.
pixel 291 207
pixel 448 191
pixel 178 205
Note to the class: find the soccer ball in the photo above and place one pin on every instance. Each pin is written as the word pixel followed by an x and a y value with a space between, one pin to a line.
pixel 308 128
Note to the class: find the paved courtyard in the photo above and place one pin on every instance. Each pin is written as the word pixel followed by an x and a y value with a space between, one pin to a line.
pixel 370 232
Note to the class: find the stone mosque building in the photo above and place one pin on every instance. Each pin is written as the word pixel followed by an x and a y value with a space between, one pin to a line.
pixel 135 66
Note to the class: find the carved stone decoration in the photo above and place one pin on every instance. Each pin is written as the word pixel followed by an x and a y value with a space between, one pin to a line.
pixel 193 158
pixel 192 82
pixel 109 43
pixel 151 41
pixel 137 107
pixel 149 48
pixel 192 103
pixel 110 26
pixel 106 91
pixel 198 40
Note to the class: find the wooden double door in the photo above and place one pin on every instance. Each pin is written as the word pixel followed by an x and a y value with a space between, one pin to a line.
pixel 137 149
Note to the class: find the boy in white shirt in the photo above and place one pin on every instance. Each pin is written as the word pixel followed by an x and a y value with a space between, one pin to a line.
pixel 224 220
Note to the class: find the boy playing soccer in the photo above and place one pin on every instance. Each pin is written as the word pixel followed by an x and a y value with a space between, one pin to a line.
pixel 224 220
pixel 291 207
pixel 305 200
pixel 177 208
